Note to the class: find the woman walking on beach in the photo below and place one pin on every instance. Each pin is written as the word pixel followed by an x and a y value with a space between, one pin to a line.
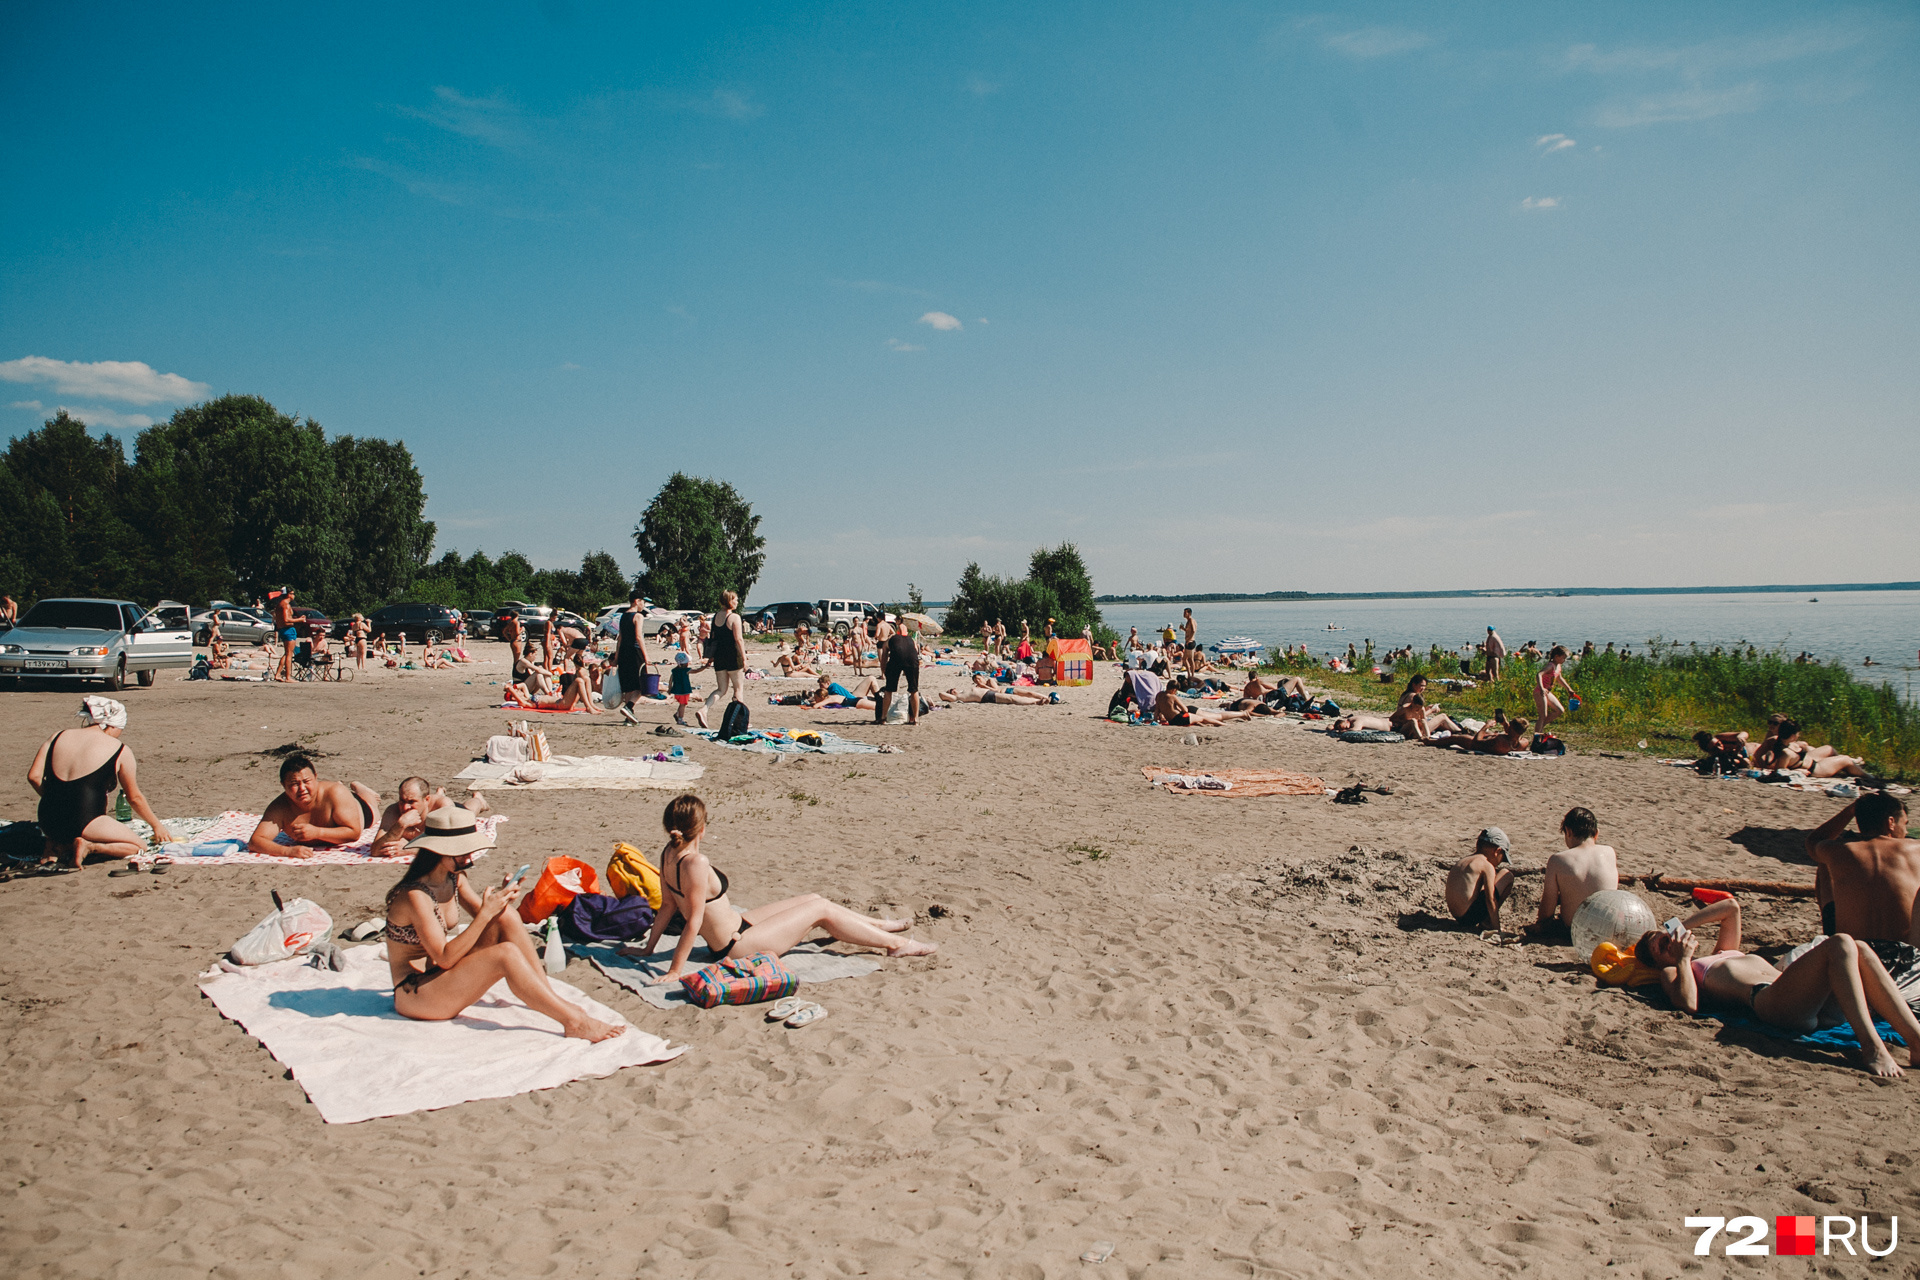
pixel 631 654
pixel 73 773
pixel 693 889
pixel 727 650
pixel 1547 708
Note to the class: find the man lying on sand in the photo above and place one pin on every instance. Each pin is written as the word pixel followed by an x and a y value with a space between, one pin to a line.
pixel 1870 884
pixel 314 814
pixel 1839 967
pixel 404 819
pixel 1584 869
pixel 1495 738
pixel 1363 722
pixel 1170 710
pixel 1480 883
pixel 982 691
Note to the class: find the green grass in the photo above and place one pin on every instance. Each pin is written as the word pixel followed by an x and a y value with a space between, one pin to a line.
pixel 1670 691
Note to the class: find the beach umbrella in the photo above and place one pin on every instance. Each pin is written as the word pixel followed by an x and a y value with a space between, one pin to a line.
pixel 926 623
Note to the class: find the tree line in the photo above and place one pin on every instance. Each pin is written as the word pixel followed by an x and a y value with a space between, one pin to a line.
pixel 231 498
pixel 1057 587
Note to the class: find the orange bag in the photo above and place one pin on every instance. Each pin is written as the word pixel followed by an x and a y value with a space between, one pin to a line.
pixel 550 893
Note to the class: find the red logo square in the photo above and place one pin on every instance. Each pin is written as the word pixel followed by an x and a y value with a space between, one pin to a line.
pixel 1793 1237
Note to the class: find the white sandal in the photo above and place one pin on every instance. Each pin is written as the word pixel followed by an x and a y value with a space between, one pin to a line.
pixel 785 1008
pixel 806 1015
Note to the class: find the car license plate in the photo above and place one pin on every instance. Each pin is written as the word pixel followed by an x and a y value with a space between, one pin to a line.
pixel 41 664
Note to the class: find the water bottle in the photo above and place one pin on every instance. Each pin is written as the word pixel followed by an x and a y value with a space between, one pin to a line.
pixel 556 950
pixel 121 809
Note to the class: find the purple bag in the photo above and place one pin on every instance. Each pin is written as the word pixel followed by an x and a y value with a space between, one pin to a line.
pixel 601 917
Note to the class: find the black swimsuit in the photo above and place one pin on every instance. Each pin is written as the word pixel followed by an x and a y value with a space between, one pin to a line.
pixel 727 950
pixel 67 805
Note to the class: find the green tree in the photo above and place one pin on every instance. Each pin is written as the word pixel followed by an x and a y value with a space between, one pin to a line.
pixel 601 582
pixel 696 539
pixel 80 478
pixel 380 504
pixel 1057 586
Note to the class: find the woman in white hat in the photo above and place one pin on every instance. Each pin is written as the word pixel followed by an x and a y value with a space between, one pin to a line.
pixel 435 977
pixel 74 772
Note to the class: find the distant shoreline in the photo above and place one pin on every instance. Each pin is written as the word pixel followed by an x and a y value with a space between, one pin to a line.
pixel 1230 597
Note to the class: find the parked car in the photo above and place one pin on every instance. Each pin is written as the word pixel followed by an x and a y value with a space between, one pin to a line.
pixel 533 620
pixel 313 621
pixel 664 624
pixel 237 625
pixel 786 615
pixel 424 623
pixel 94 639
pixel 838 616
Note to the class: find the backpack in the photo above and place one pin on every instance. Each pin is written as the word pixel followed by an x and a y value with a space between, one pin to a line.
pixel 733 722
pixel 601 917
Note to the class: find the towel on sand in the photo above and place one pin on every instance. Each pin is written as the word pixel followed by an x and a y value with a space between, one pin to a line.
pixel 581 773
pixel 810 962
pixel 831 744
pixel 358 1059
pixel 1246 782
pixel 235 825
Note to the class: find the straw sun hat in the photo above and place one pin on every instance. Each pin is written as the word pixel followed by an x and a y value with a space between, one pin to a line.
pixel 451 832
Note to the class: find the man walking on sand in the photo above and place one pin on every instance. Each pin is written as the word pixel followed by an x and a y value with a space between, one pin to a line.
pixel 1582 870
pixel 1496 654
pixel 1870 883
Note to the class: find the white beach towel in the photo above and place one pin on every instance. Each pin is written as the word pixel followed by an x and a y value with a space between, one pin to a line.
pixel 357 1059
pixel 235 825
pixel 581 773
pixel 810 962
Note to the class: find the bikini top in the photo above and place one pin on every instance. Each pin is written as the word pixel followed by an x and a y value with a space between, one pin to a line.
pixel 406 934
pixel 718 874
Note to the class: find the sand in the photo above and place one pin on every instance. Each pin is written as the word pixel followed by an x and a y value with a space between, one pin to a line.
pixel 1234 1037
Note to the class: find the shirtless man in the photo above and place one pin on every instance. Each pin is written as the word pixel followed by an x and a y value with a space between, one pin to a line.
pixel 1496 650
pixel 1192 646
pixel 406 817
pixel 286 627
pixel 1869 885
pixel 984 690
pixel 1480 883
pixel 1584 869
pixel 1170 710
pixel 312 813
pixel 1495 738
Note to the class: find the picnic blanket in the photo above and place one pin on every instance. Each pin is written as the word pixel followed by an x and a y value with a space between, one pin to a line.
pixel 546 711
pixel 581 773
pixel 357 1059
pixel 1243 782
pixel 785 742
pixel 810 962
pixel 235 825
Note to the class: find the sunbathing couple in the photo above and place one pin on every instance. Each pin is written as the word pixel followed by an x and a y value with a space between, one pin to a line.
pixel 1781 748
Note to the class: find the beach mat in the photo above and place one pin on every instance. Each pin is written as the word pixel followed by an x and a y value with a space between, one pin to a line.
pixel 358 1060
pixel 831 744
pixel 1246 782
pixel 810 962
pixel 581 773
pixel 235 825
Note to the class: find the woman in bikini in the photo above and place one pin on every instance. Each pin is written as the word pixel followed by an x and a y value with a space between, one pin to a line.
pixel 74 772
pixel 693 889
pixel 1788 750
pixel 1545 705
pixel 357 632
pixel 576 694
pixel 1413 718
pixel 436 977
pixel 1791 1000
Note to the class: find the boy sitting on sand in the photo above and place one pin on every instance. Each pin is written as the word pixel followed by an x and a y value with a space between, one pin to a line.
pixel 1479 884
pixel 1584 869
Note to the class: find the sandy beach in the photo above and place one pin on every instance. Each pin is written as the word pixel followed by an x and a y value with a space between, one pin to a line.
pixel 1233 1037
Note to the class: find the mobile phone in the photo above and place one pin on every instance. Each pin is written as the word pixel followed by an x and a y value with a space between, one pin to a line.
pixel 521 874
pixel 1673 927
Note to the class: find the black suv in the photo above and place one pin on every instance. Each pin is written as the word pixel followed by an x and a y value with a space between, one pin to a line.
pixel 786 615
pixel 424 623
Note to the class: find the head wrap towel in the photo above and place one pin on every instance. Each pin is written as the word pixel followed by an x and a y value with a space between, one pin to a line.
pixel 104 712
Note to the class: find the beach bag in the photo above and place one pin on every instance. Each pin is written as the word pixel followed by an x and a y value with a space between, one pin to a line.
pixel 733 722
pixel 561 881
pixel 537 748
pixel 293 929
pixel 505 748
pixel 749 981
pixel 21 842
pixel 602 917
pixel 1545 744
pixel 629 874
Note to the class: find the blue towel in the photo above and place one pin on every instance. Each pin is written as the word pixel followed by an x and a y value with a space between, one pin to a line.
pixel 1840 1037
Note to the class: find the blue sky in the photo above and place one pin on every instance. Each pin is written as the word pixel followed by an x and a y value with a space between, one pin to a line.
pixel 1236 297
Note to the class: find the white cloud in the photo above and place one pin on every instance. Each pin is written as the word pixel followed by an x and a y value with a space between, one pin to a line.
pixel 1540 202
pixel 130 381
pixel 494 121
pixel 107 417
pixel 982 320
pixel 1698 60
pixel 1685 104
pixel 1375 42
pixel 894 344
pixel 734 105
pixel 27 404
pixel 941 321
pixel 1554 142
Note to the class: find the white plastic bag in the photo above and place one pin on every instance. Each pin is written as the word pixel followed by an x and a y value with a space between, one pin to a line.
pixel 293 930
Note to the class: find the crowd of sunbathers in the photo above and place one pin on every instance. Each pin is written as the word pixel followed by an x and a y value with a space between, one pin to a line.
pixel 1863 963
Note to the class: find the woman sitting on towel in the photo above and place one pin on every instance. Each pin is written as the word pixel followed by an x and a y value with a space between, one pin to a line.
pixel 1836 966
pixel 576 694
pixel 1414 718
pixel 436 977
pixel 692 888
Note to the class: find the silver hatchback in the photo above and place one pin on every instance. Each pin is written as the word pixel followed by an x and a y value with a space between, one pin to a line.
pixel 104 640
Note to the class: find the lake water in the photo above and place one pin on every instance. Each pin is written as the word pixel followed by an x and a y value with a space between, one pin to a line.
pixel 1848 625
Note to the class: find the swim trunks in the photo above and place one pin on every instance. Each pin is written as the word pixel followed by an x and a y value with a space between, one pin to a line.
pixel 1476 915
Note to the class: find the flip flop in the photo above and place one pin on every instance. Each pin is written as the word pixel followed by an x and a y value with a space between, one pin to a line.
pixel 130 869
pixel 806 1015
pixel 161 863
pixel 785 1008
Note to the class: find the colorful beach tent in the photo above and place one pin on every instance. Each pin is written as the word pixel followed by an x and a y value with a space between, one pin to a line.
pixel 1072 661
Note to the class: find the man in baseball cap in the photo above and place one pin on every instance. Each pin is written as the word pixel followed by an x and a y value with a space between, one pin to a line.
pixel 1478 884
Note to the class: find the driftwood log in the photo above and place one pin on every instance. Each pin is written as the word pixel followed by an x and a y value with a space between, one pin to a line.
pixel 1778 888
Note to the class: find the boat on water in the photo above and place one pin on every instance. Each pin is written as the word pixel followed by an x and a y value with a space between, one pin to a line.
pixel 1237 644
